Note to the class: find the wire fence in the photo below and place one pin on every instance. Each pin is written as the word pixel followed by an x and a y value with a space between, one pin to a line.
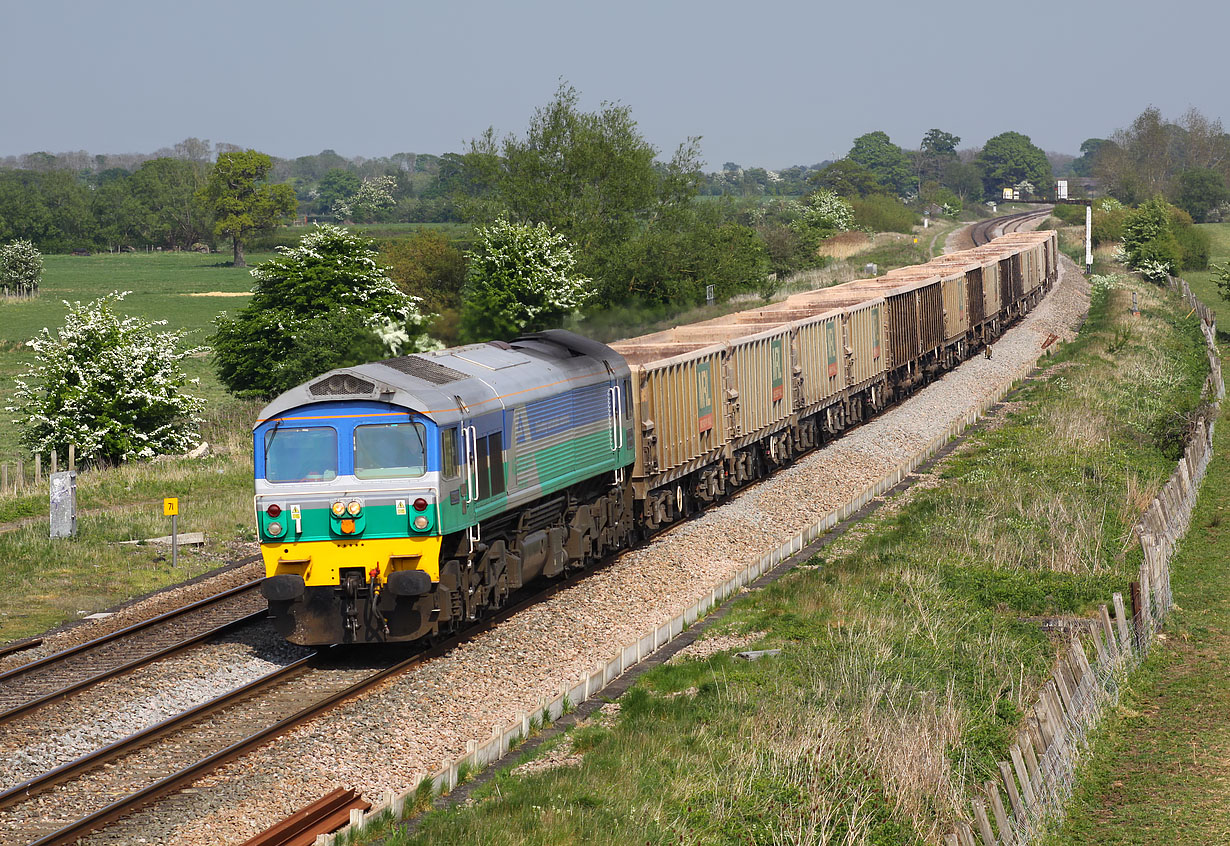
pixel 1037 780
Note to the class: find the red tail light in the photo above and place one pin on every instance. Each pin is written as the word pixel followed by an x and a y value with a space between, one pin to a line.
pixel 274 510
pixel 420 504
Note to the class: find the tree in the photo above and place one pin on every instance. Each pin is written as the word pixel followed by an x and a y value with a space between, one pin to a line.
pixel 823 212
pixel 592 178
pixel 937 149
pixel 521 278
pixel 964 180
pixel 1148 242
pixel 323 304
pixel 1201 190
pixel 108 384
pixel 21 268
pixel 168 190
pixel 1083 164
pixel 335 187
pixel 884 159
pixel 1010 158
pixel 588 176
pixel 242 201
pixel 848 178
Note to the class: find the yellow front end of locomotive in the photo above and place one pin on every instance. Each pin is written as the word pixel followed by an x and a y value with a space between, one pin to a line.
pixel 320 563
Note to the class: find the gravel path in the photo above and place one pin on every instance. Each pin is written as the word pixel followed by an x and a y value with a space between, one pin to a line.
pixel 412 725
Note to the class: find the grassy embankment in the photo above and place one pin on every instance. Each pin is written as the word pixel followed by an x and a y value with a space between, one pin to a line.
pixel 908 652
pixel 44 583
pixel 1160 769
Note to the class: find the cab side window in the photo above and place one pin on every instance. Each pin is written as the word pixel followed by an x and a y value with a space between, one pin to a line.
pixel 448 452
pixel 490 465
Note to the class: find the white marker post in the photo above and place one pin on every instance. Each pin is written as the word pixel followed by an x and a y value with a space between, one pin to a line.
pixel 170 508
pixel 1089 239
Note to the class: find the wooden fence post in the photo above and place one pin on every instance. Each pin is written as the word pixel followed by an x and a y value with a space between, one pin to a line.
pixel 72 456
pixel 997 810
pixel 21 474
pixel 38 468
pixel 1137 616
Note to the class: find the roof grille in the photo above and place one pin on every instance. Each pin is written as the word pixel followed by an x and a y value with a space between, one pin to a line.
pixel 342 384
pixel 425 369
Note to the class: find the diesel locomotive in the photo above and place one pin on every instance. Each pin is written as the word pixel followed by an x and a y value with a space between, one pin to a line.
pixel 401 499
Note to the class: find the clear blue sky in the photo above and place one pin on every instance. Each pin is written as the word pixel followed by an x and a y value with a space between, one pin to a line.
pixel 764 83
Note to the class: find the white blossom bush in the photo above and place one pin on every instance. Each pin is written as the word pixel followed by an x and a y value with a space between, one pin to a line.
pixel 521 278
pixel 21 268
pixel 374 195
pixel 322 304
pixel 1154 270
pixel 823 211
pixel 110 385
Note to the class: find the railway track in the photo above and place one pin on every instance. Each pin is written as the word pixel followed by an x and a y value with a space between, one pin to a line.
pixel 986 231
pixel 38 683
pixel 85 795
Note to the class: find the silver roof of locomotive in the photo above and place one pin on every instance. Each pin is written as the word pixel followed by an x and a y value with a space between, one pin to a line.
pixel 482 377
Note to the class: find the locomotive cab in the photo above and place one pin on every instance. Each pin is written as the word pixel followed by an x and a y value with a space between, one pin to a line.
pixel 348 515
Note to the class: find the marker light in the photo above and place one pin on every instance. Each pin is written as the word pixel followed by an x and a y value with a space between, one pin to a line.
pixel 273 510
pixel 348 527
pixel 339 508
pixel 420 522
pixel 275 529
pixel 420 504
pixel 353 507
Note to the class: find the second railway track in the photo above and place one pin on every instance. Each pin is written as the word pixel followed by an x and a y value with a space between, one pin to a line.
pixel 37 683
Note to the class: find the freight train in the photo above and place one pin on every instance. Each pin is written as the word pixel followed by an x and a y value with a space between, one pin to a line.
pixel 402 499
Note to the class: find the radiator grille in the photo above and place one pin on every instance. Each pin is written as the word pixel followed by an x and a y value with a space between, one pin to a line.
pixel 425 369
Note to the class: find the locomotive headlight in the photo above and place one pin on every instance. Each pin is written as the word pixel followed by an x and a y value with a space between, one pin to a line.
pixel 420 522
pixel 339 508
pixel 274 529
pixel 353 508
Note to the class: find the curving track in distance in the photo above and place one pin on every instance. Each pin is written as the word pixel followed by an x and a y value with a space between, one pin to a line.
pixel 986 231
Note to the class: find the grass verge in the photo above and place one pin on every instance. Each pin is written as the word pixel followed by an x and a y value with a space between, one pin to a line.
pixel 1160 766
pixel 908 653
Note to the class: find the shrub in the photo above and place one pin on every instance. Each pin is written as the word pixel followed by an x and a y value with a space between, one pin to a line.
pixel 1193 241
pixel 108 384
pixel 1109 216
pixel 1070 215
pixel 881 213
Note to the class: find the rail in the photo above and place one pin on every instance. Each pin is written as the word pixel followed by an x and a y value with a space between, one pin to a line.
pixel 79 664
pixel 323 816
